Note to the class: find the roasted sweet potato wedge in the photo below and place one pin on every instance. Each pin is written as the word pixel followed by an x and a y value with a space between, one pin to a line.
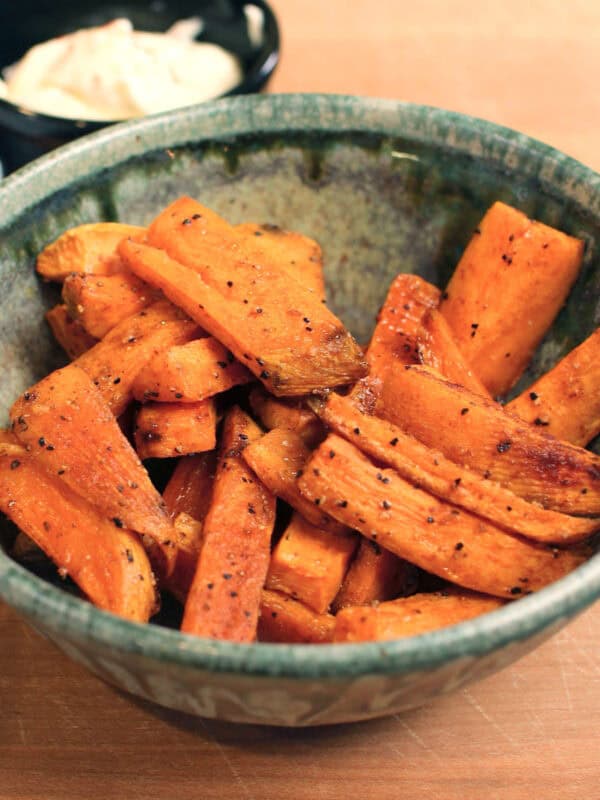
pixel 474 432
pixel 290 415
pixel 99 302
pixel 300 255
pixel 225 596
pixel 294 347
pixel 506 290
pixel 187 497
pixel 310 563
pixel 283 619
pixel 190 486
pixel 168 430
pixel 437 348
pixel 410 616
pixel 90 249
pixel 374 576
pixel 399 321
pixel 190 372
pixel 70 334
pixel 428 468
pixel 108 564
pixel 565 402
pixel 428 532
pixel 179 579
pixel 71 432
pixel 278 458
pixel 115 361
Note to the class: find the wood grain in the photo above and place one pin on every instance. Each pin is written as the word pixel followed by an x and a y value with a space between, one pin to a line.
pixel 528 731
pixel 531 730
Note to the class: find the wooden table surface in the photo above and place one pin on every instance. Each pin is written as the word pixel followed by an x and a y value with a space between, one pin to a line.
pixel 530 731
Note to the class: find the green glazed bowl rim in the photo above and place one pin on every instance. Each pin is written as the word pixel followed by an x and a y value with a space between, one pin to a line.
pixel 72 618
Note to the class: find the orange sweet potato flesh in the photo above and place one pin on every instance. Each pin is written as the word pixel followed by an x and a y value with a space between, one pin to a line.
pixel 70 334
pixel 298 254
pixel 410 616
pixel 72 433
pixel 474 432
pixel 283 619
pixel 374 576
pixel 189 372
pixel 565 402
pixel 399 321
pixel 109 565
pixel 187 497
pixel 115 361
pixel 178 581
pixel 430 469
pixel 190 486
pixel 279 458
pixel 225 596
pixel 433 534
pixel 90 249
pixel 168 430
pixel 510 283
pixel 290 415
pixel 275 326
pixel 101 302
pixel 437 348
pixel 309 563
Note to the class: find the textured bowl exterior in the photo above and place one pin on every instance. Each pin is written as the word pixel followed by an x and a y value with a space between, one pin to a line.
pixel 385 187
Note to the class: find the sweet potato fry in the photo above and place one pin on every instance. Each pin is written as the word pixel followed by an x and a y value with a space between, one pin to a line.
pixel 115 361
pixel 101 302
pixel 470 430
pixel 298 254
pixel 189 372
pixel 565 402
pixel 71 431
pixel 190 486
pixel 179 580
pixel 410 616
pixel 187 497
pixel 507 288
pixel 374 576
pixel 283 619
pixel 225 596
pixel 399 321
pixel 290 415
pixel 428 532
pixel 431 470
pixel 71 335
pixel 310 563
pixel 278 458
pixel 90 249
pixel 437 348
pixel 167 430
pixel 109 565
pixel 294 347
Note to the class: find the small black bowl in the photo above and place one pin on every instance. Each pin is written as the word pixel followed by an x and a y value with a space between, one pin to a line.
pixel 25 135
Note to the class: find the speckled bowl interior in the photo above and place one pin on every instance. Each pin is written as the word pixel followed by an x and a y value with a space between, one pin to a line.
pixel 385 187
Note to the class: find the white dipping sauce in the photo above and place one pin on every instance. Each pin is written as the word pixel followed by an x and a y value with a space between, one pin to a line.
pixel 113 72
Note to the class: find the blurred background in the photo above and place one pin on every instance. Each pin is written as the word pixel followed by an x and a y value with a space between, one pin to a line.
pixel 532 65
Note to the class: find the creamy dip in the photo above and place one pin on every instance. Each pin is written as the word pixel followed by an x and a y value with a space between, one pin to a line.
pixel 113 72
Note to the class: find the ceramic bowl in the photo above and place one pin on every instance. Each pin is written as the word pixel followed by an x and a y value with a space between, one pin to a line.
pixel 385 187
pixel 25 135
